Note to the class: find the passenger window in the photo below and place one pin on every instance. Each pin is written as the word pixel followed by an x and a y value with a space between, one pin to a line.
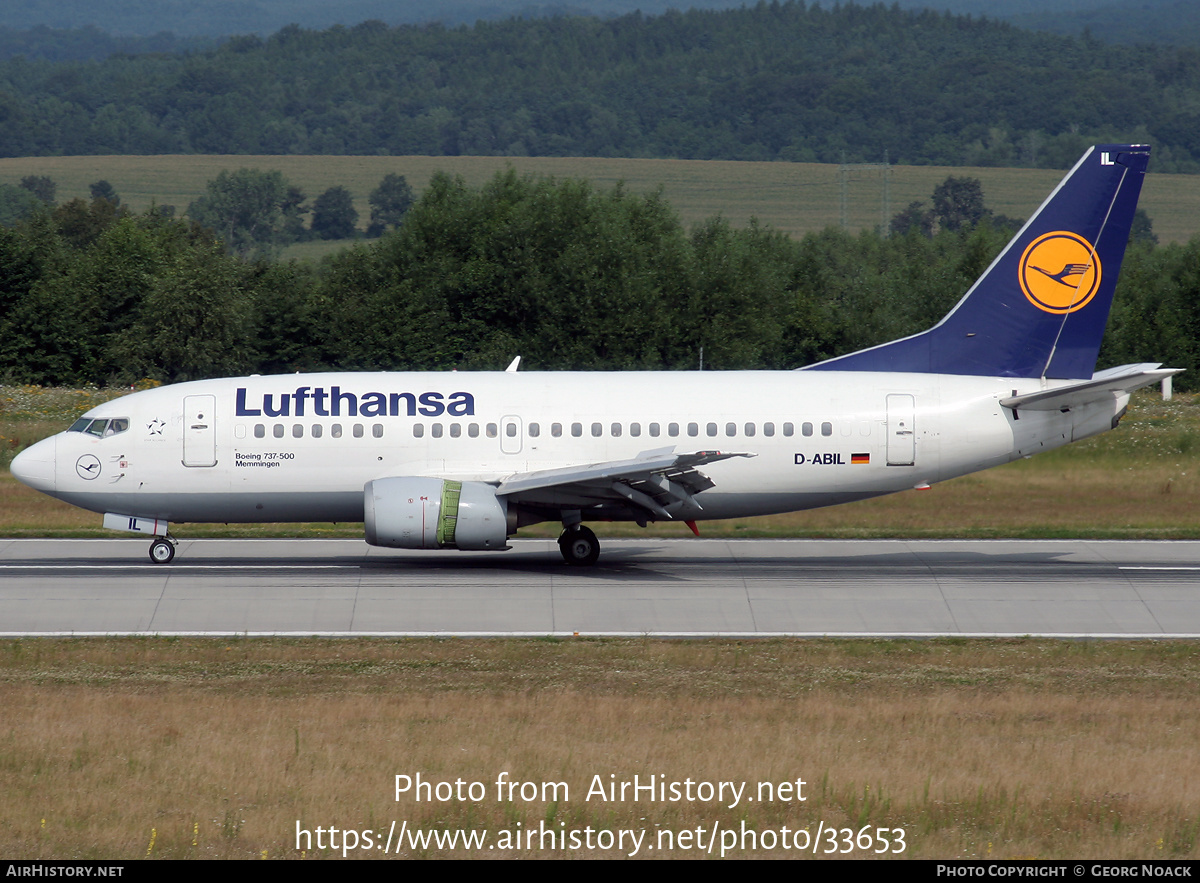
pixel 693 429
pixel 316 430
pixel 418 430
pixel 654 428
pixel 358 430
pixel 673 429
pixel 534 430
pixel 597 430
pixel 510 429
pixel 807 429
pixel 377 430
pixel 336 430
pixel 455 430
pixel 635 429
pixel 491 430
pixel 297 431
pixel 556 430
pixel 826 429
pixel 789 430
pixel 769 430
pixel 616 430
pixel 260 431
pixel 473 430
pixel 731 429
pixel 576 429
pixel 711 429
pixel 749 430
pixel 436 430
pixel 277 430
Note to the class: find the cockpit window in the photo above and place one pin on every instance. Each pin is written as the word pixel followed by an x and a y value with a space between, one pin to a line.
pixel 100 428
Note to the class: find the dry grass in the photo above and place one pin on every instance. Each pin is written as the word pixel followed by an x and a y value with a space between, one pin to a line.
pixel 977 749
pixel 793 197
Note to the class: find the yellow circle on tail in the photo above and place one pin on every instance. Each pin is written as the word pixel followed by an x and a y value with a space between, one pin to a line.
pixel 1060 272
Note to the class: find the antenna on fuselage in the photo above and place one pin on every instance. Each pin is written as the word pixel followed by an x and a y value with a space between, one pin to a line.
pixel 512 366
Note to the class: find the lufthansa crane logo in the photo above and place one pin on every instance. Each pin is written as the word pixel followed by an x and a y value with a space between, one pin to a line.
pixel 1060 272
pixel 87 466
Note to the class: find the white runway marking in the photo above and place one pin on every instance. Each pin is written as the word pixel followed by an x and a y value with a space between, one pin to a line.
pixel 171 568
pixel 1152 567
pixel 902 636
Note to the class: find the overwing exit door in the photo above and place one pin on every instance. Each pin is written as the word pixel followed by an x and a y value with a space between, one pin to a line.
pixel 510 434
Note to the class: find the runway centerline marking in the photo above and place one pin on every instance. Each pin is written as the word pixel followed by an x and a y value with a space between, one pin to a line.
pixel 1156 567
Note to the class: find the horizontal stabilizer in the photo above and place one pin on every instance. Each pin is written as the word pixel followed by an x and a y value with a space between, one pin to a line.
pixel 1105 384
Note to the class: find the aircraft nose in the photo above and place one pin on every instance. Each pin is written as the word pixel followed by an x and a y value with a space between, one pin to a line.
pixel 34 466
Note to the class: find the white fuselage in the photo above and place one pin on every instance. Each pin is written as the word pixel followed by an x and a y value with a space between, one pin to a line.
pixel 302 447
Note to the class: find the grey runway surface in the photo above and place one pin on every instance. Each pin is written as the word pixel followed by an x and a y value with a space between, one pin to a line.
pixel 640 587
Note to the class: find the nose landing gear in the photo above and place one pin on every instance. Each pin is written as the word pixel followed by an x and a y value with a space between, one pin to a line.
pixel 162 550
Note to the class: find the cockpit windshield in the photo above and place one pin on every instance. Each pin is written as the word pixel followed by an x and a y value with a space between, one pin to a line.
pixel 101 428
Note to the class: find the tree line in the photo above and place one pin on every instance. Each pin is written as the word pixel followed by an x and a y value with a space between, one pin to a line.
pixel 774 81
pixel 253 212
pixel 567 276
pixel 256 212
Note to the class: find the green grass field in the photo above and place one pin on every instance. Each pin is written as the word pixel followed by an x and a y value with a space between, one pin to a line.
pixel 793 197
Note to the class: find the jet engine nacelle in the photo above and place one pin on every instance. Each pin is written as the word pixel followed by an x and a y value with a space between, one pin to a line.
pixel 434 513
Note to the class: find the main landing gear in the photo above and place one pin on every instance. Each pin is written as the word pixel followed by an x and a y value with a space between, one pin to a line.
pixel 579 546
pixel 162 550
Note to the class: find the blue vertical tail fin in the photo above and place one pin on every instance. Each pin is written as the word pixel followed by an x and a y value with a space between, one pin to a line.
pixel 1040 309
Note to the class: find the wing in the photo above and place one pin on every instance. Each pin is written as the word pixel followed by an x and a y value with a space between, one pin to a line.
pixel 654 481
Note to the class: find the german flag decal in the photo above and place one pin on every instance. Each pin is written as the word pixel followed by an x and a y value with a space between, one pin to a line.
pixel 860 458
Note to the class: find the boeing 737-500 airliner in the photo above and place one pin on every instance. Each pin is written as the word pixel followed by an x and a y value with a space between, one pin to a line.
pixel 462 460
